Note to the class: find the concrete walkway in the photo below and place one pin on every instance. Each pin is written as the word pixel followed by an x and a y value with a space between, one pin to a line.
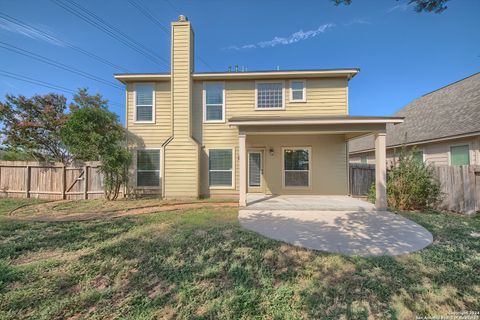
pixel 348 232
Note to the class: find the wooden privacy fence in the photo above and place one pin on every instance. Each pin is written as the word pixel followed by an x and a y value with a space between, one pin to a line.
pixel 460 185
pixel 28 179
pixel 361 177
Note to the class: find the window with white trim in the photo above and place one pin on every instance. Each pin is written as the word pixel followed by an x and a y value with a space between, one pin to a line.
pixel 144 102
pixel 148 168
pixel 220 167
pixel 296 167
pixel 297 91
pixel 269 95
pixel 213 102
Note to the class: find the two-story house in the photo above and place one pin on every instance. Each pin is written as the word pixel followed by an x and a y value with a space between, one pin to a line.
pixel 231 133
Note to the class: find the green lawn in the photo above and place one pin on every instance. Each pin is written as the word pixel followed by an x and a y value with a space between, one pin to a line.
pixel 201 264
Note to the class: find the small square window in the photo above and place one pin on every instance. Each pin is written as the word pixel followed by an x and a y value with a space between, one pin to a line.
pixel 297 91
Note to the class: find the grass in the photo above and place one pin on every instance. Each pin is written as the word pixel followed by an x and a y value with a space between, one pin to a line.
pixel 201 264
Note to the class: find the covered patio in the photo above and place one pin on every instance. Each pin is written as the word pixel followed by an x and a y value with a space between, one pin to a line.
pixel 322 146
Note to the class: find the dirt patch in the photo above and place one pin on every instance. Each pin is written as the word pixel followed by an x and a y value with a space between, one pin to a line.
pixel 37 213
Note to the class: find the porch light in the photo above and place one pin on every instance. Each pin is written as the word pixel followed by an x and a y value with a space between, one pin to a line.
pixel 272 152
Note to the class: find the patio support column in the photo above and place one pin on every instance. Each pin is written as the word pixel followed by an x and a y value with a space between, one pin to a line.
pixel 243 169
pixel 380 171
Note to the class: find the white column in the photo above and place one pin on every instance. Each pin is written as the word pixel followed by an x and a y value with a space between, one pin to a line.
pixel 243 169
pixel 380 171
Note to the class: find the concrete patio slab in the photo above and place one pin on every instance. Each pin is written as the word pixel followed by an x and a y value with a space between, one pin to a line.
pixel 361 233
pixel 307 202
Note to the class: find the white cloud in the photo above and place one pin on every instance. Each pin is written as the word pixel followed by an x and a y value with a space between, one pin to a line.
pixel 398 7
pixel 357 21
pixel 293 38
pixel 28 32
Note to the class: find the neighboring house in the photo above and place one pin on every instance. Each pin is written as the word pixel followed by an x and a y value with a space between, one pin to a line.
pixel 443 126
pixel 228 133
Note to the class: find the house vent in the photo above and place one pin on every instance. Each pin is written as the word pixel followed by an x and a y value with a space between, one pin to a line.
pixel 182 18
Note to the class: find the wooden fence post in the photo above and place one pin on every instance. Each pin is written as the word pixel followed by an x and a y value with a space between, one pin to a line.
pixel 64 182
pixel 85 178
pixel 27 181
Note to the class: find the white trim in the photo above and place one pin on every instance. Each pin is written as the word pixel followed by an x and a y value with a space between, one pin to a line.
pixel 309 167
pixel 204 102
pixel 233 169
pixel 303 121
pixel 135 102
pixel 304 94
pixel 260 151
pixel 159 170
pixel 349 73
pixel 282 82
pixel 459 145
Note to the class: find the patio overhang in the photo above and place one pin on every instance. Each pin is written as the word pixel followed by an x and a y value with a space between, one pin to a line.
pixel 350 126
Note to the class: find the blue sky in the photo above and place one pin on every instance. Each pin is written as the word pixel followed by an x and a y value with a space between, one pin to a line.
pixel 402 54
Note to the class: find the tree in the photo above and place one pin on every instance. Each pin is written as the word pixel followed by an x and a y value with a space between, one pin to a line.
pixel 32 125
pixel 82 99
pixel 94 133
pixel 436 6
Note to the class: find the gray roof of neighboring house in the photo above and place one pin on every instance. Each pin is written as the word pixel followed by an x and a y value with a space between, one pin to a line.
pixel 453 110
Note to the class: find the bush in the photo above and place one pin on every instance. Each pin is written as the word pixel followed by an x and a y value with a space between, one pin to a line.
pixel 411 184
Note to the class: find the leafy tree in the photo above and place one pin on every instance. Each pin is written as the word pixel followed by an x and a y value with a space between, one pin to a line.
pixel 82 99
pixel 436 6
pixel 32 125
pixel 94 133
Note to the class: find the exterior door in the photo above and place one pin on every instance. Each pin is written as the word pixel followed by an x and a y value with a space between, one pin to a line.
pixel 256 181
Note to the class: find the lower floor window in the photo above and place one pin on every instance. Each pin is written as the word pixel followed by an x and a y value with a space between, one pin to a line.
pixel 148 168
pixel 296 167
pixel 220 167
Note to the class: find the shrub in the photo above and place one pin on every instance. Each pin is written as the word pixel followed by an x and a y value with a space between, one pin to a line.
pixel 411 184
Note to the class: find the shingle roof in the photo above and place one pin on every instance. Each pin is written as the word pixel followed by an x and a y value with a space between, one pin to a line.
pixel 449 111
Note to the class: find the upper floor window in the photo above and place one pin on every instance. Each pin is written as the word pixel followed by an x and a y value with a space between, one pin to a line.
pixel 144 103
pixel 298 91
pixel 270 95
pixel 460 155
pixel 214 102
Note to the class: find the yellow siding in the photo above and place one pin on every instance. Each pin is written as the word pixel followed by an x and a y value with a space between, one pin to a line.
pixel 150 135
pixel 325 96
pixel 182 153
